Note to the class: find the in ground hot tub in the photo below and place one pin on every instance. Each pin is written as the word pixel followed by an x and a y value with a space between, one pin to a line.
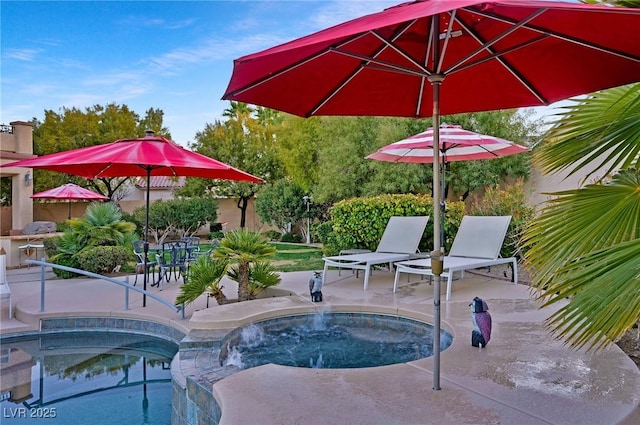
pixel 331 341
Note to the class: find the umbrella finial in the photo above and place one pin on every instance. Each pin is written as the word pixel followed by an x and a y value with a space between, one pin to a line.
pixel 149 133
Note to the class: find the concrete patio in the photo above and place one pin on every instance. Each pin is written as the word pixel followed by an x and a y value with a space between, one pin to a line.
pixel 524 376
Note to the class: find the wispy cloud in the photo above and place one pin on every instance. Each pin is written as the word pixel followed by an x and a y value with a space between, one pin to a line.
pixel 145 21
pixel 27 55
pixel 213 49
pixel 112 79
pixel 49 42
pixel 180 24
pixel 37 90
pixel 335 12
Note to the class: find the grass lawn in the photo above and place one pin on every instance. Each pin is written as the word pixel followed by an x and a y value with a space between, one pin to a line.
pixel 292 257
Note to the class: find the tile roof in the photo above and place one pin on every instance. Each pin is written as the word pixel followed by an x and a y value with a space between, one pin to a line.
pixel 160 182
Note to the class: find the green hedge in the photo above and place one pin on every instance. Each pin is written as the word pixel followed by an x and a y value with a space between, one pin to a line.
pixel 360 222
pixel 103 259
pixel 65 260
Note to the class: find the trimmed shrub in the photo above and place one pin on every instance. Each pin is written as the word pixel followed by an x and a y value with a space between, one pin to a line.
pixel 216 235
pixel 62 226
pixel 291 237
pixel 103 259
pixel 272 235
pixel 51 246
pixel 65 260
pixel 360 222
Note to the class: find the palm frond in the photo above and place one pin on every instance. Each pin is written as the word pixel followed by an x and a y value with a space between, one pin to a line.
pixel 204 276
pixel 601 130
pixel 262 275
pixel 244 246
pixel 579 222
pixel 605 296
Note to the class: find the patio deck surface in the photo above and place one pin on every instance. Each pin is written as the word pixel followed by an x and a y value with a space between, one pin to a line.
pixel 524 375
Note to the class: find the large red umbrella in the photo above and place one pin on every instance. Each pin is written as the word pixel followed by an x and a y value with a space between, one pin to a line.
pixel 485 54
pixel 145 156
pixel 70 192
pixel 455 144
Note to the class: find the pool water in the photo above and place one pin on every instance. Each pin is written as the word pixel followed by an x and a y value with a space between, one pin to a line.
pixel 331 341
pixel 86 378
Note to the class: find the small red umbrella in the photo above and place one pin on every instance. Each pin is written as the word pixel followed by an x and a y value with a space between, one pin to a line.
pixel 70 192
pixel 144 156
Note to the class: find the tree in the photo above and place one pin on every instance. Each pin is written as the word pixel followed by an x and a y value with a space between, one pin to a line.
pixel 154 121
pixel 182 216
pixel 72 128
pixel 298 149
pixel 585 244
pixel 204 277
pixel 243 142
pixel 344 172
pixel 282 204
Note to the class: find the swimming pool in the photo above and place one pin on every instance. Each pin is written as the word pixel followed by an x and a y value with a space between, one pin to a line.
pixel 331 341
pixel 86 378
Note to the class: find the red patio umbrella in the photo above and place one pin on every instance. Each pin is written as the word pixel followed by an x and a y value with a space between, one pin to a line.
pixel 144 156
pixel 486 55
pixel 70 192
pixel 456 144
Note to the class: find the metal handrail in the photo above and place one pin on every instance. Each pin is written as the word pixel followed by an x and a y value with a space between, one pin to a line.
pixel 43 264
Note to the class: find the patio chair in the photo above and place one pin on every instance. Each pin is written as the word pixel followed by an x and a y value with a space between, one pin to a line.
pixel 193 247
pixel 138 250
pixel 172 260
pixel 213 244
pixel 399 241
pixel 476 244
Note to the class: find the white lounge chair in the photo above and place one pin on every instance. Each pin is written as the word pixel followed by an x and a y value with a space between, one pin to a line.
pixel 477 244
pixel 399 241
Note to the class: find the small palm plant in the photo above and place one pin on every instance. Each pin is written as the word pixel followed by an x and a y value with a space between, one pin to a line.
pixel 242 248
pixel 102 225
pixel 243 256
pixel 262 275
pixel 204 277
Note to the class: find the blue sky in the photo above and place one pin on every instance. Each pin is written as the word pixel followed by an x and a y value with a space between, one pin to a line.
pixel 173 55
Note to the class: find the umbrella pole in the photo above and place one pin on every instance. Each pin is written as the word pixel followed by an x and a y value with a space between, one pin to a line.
pixel 437 242
pixel 69 202
pixel 146 241
pixel 443 201
pixel 436 79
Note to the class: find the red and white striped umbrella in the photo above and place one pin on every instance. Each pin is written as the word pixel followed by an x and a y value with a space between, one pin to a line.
pixel 456 144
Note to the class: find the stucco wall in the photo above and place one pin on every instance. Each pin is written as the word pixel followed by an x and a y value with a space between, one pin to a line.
pixel 16 143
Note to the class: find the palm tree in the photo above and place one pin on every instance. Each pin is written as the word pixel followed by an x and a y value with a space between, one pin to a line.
pixel 242 255
pixel 585 244
pixel 243 247
pixel 238 112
